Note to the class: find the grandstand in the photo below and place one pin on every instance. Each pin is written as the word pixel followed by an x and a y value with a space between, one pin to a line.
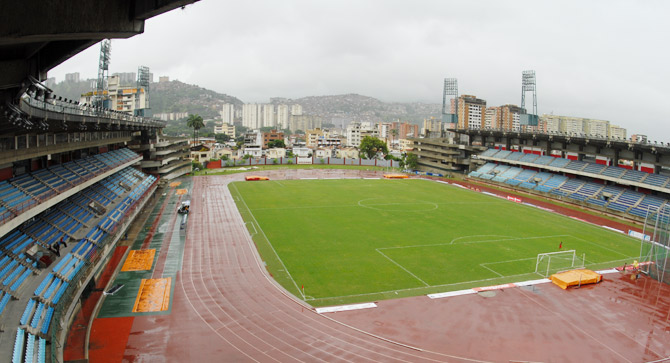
pixel 630 193
pixel 70 185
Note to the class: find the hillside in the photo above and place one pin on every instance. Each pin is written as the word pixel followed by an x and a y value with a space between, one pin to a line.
pixel 340 109
pixel 173 96
pixel 176 96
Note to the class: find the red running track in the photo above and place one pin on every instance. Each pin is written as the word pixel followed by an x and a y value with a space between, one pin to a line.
pixel 227 308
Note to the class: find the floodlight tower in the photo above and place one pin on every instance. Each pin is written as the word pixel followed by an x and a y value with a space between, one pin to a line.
pixel 143 81
pixel 103 72
pixel 450 89
pixel 528 85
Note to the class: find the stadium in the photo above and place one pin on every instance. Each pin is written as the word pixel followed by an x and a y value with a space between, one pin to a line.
pixel 100 262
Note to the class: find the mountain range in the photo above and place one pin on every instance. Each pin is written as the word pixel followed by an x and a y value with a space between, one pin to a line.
pixel 337 110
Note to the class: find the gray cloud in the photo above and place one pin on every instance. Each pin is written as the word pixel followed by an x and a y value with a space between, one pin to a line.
pixel 599 59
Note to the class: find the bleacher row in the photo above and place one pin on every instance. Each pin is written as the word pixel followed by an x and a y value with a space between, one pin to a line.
pixel 620 199
pixel 540 161
pixel 60 221
pixel 22 192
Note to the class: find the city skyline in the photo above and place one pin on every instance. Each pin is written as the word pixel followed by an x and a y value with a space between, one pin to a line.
pixel 598 60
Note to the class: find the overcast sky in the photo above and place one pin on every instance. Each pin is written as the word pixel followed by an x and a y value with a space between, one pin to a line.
pixel 598 59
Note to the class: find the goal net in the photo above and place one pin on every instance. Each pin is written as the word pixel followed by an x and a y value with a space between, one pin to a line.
pixel 655 244
pixel 552 262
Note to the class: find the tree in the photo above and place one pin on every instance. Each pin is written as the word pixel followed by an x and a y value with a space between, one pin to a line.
pixel 276 144
pixel 411 161
pixel 394 133
pixel 221 138
pixel 371 146
pixel 196 122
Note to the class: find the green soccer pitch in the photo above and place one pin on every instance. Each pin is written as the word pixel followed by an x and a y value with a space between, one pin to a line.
pixel 358 240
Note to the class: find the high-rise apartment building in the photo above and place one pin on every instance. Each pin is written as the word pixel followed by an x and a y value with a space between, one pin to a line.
pixel 491 120
pixel 296 110
pixel 471 112
pixel 617 132
pixel 252 115
pixel 406 130
pixel 228 113
pixel 432 125
pixel 282 116
pixel 269 115
pixel 354 134
pixel 72 77
pixel 580 125
pixel 510 116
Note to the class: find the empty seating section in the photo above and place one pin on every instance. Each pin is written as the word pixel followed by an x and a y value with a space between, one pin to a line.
pixel 514 156
pixel 613 171
pixel 13 198
pixel 559 163
pixel 483 169
pixel 613 197
pixel 588 190
pixel 503 154
pixel 625 200
pixel 490 152
pixel 529 158
pixel 594 168
pixel 24 191
pixel 568 187
pixel 657 180
pixel 576 165
pixel 648 203
pixel 62 221
pixel 524 176
pixel 507 174
pixel 634 176
pixel 544 160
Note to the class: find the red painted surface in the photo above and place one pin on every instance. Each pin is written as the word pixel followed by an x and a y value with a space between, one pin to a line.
pixel 6 173
pixel 108 339
pixel 76 339
pixel 227 308
pixel 214 164
pixel 647 169
pixel 629 167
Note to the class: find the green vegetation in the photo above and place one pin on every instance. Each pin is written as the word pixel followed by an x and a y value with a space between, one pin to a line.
pixel 195 121
pixel 371 146
pixel 364 240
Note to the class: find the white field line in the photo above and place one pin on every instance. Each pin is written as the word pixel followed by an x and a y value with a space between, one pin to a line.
pixel 467 243
pixel 600 246
pixel 252 224
pixel 404 269
pixel 418 288
pixel 490 269
pixel 478 236
pixel 268 241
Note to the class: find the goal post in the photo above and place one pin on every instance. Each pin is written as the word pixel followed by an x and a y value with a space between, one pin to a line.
pixel 655 244
pixel 551 262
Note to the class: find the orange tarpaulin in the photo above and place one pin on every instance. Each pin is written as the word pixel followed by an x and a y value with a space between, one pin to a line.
pixel 395 176
pixel 139 260
pixel 256 177
pixel 175 184
pixel 575 277
pixel 154 295
pixel 182 191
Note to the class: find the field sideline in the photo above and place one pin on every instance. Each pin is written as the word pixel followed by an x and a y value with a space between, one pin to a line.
pixel 363 240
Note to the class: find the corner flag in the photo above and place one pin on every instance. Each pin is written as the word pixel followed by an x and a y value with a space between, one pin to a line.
pixel 560 245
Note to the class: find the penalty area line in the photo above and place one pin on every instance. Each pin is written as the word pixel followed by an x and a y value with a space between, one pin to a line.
pixel 404 269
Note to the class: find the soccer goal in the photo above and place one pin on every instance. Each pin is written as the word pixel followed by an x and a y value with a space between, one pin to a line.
pixel 655 244
pixel 553 262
